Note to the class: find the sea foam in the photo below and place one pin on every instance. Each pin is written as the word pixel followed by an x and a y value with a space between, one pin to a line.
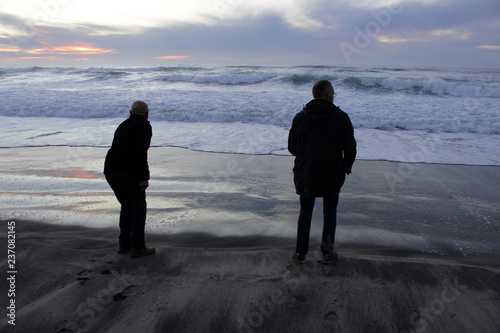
pixel 229 108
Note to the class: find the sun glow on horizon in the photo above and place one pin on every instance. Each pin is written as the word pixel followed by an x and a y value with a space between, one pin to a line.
pixel 180 57
pixel 8 48
pixel 52 52
pixel 78 48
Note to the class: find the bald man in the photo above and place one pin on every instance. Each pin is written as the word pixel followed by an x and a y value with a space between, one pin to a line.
pixel 127 172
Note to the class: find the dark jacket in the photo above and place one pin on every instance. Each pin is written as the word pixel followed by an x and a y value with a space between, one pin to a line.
pixel 322 141
pixel 128 154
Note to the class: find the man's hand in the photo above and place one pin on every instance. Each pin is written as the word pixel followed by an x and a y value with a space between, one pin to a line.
pixel 143 185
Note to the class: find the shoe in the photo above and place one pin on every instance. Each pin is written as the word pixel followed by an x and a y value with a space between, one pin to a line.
pixel 298 257
pixel 329 258
pixel 123 250
pixel 146 251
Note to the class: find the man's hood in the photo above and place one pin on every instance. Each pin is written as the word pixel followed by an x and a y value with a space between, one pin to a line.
pixel 319 110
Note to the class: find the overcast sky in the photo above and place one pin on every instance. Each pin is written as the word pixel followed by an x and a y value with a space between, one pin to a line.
pixel 171 32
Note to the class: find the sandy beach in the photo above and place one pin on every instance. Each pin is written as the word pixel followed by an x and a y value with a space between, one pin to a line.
pixel 417 244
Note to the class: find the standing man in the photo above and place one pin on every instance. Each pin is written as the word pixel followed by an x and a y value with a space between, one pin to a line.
pixel 127 172
pixel 322 141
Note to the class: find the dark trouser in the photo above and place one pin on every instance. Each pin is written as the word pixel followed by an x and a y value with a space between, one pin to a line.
pixel 133 210
pixel 329 223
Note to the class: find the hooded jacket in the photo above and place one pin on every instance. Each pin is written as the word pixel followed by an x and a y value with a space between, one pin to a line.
pixel 322 140
pixel 128 154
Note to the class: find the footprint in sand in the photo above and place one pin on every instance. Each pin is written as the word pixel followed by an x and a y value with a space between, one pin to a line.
pixel 96 256
pixel 299 297
pixel 129 291
pixel 332 315
pixel 83 276
pixel 119 297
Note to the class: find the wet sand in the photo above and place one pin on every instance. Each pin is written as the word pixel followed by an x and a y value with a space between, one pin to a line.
pixel 417 243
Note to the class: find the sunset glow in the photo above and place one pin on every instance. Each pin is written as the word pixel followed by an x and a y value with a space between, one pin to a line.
pixel 79 50
pixel 388 39
pixel 8 48
pixel 490 47
pixel 174 57
pixel 451 33
pixel 223 31
pixel 70 49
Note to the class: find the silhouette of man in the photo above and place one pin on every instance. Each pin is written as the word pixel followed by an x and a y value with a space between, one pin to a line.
pixel 127 172
pixel 322 140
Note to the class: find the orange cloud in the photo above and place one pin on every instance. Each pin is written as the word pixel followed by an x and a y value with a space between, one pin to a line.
pixel 71 49
pixel 36 51
pixel 50 52
pixel 8 48
pixel 490 47
pixel 81 48
pixel 174 57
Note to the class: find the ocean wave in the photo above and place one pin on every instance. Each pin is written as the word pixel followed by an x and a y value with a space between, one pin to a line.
pixel 301 79
pixel 376 80
pixel 249 67
pixel 227 79
pixel 36 69
pixel 378 85
pixel 439 87
pixel 175 69
pixel 374 144
pixel 104 74
pixel 438 116
pixel 392 99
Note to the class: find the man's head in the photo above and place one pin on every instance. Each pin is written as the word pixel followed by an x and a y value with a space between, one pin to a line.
pixel 140 108
pixel 323 89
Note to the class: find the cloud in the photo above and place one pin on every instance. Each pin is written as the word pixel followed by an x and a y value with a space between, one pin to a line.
pixel 444 33
pixel 425 36
pixel 10 22
pixel 76 48
pixel 8 48
pixel 260 38
pixel 450 33
pixel 390 39
pixel 490 47
pixel 174 57
pixel 259 31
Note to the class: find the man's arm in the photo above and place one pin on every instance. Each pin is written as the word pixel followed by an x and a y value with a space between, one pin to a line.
pixel 141 146
pixel 292 138
pixel 349 148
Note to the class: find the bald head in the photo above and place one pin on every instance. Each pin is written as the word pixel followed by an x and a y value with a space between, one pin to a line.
pixel 140 108
pixel 323 89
